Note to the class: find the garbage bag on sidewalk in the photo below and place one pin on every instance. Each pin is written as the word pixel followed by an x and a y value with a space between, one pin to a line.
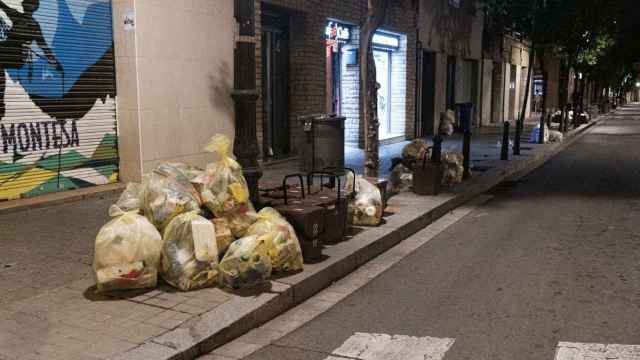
pixel 534 138
pixel 556 136
pixel 415 150
pixel 447 122
pixel 168 193
pixel 452 168
pixel 400 179
pixel 246 264
pixel 224 189
pixel 190 252
pixel 365 208
pixel 127 253
pixel 224 237
pixel 129 200
pixel 283 245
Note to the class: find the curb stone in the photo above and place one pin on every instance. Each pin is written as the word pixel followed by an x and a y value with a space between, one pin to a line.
pixel 230 320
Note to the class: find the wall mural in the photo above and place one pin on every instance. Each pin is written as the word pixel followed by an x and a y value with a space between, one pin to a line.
pixel 57 96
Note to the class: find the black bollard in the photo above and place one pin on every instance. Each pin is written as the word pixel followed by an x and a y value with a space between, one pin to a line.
pixel 466 110
pixel 505 142
pixel 541 132
pixel 466 152
pixel 436 152
pixel 516 141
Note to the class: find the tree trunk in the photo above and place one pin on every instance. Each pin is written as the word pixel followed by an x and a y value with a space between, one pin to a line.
pixel 520 124
pixel 368 86
pixel 545 77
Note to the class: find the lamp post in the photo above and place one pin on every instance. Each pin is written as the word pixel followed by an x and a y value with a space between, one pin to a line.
pixel 245 96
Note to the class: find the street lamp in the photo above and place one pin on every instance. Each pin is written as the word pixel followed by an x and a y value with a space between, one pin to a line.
pixel 638 84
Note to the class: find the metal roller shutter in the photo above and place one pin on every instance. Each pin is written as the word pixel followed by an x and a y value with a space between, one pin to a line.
pixel 58 126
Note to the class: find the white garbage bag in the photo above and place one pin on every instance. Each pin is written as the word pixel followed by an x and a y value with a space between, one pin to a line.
pixel 190 253
pixel 127 253
pixel 129 200
pixel 366 206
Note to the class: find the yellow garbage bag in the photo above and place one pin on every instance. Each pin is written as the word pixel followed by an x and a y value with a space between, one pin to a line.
pixel 127 253
pixel 129 200
pixel 224 237
pixel 222 186
pixel 190 252
pixel 415 150
pixel 452 168
pixel 168 193
pixel 283 245
pixel 247 263
pixel 366 206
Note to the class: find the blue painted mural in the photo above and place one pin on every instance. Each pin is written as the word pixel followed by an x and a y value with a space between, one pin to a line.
pixel 57 96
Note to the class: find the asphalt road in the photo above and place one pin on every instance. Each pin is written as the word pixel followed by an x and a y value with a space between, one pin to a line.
pixel 555 257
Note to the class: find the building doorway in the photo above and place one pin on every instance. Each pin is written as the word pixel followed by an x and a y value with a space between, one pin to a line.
pixel 428 92
pixel 451 82
pixel 275 76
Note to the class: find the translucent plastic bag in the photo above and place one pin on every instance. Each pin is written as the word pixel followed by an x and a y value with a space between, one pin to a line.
pixel 129 200
pixel 556 136
pixel 283 245
pixel 415 150
pixel 452 169
pixel 222 186
pixel 224 237
pixel 168 193
pixel 400 179
pixel 190 253
pixel 366 206
pixel 127 253
pixel 447 121
pixel 247 263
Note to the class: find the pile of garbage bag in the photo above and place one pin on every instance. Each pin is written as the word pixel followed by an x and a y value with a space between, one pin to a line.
pixel 415 150
pixel 447 123
pixel 400 179
pixel 556 136
pixel 194 228
pixel 365 208
pixel 452 168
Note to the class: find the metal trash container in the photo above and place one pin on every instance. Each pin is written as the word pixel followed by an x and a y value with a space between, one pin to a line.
pixel 321 142
pixel 465 115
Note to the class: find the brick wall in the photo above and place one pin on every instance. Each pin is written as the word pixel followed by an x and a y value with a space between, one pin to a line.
pixel 307 66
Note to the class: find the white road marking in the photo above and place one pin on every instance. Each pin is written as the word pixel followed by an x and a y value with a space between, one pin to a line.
pixel 593 351
pixel 363 346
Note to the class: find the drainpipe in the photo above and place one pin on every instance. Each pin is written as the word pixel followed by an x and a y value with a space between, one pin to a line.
pixel 481 105
pixel 245 96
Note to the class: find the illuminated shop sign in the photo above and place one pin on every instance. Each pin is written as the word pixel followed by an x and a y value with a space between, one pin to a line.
pixel 386 40
pixel 337 31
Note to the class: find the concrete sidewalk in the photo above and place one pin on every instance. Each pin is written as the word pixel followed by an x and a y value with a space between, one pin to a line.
pixel 48 308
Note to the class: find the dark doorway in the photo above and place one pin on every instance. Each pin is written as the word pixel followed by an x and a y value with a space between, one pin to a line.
pixel 428 93
pixel 451 82
pixel 275 80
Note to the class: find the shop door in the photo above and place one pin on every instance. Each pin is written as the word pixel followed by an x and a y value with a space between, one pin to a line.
pixel 428 93
pixel 383 77
pixel 58 127
pixel 275 68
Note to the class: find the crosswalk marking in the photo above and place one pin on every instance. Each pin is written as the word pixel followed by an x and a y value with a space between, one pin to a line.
pixel 364 346
pixel 593 351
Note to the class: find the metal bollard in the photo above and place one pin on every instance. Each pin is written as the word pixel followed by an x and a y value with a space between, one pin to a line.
pixel 436 152
pixel 466 152
pixel 505 142
pixel 541 132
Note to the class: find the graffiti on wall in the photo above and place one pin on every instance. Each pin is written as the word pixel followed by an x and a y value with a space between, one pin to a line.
pixel 57 96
